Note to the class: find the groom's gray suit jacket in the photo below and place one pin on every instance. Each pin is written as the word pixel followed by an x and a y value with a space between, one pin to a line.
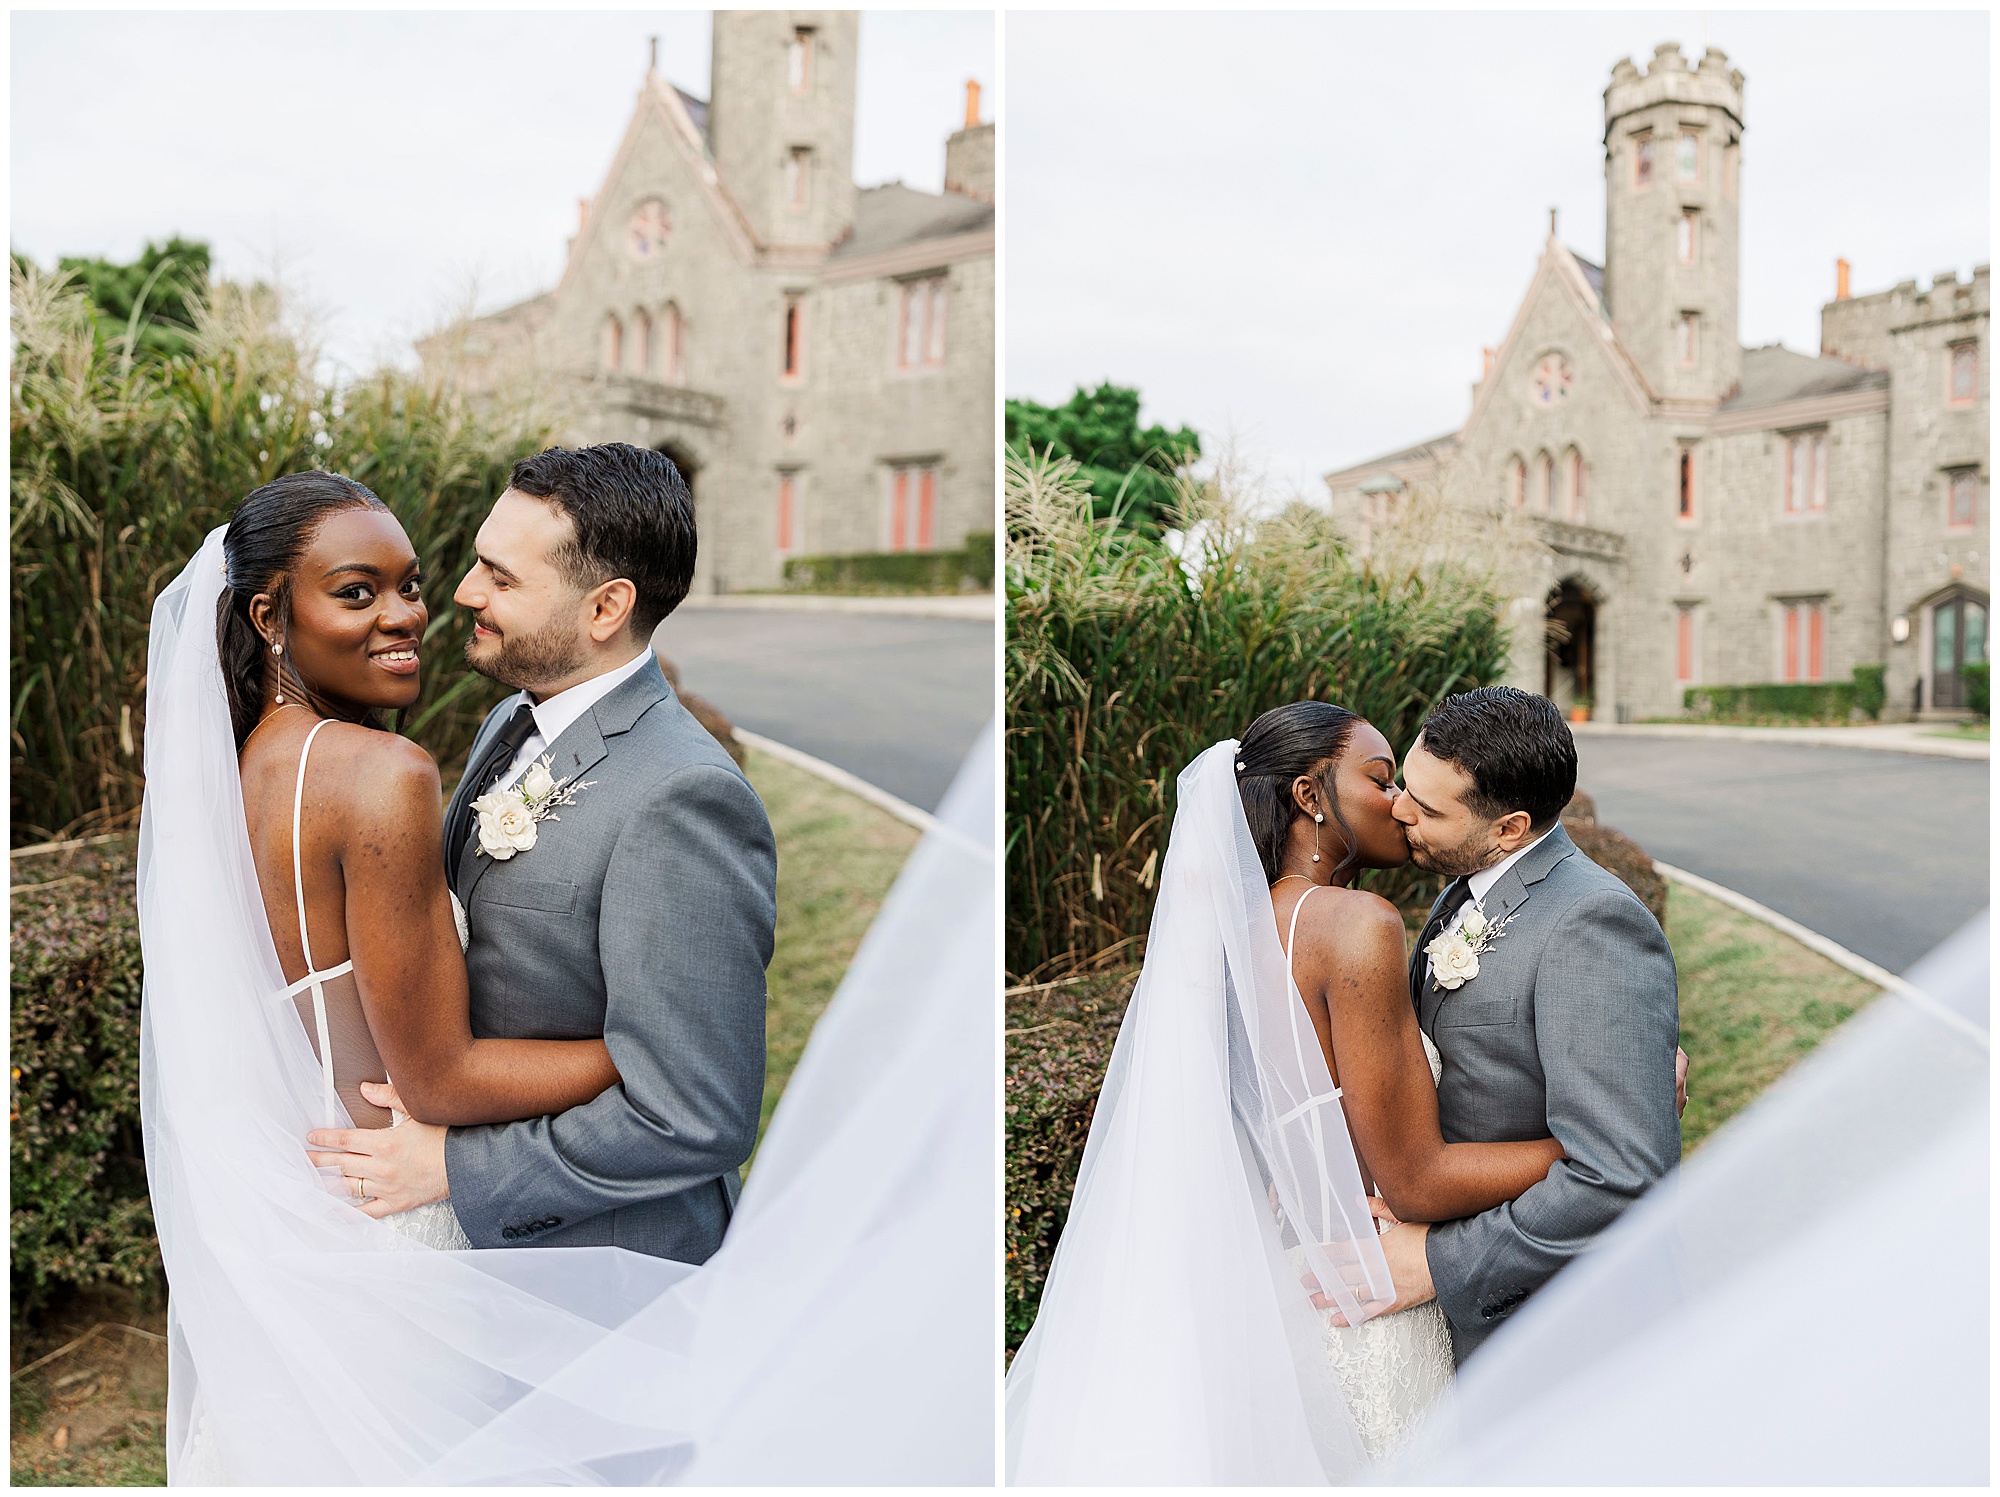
pixel 1568 1030
pixel 643 914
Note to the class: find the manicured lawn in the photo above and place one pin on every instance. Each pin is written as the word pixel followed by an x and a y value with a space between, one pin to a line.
pixel 1753 1003
pixel 1981 732
pixel 837 857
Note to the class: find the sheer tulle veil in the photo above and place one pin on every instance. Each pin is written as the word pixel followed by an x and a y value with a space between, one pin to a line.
pixel 324 1348
pixel 1805 1303
pixel 1174 1343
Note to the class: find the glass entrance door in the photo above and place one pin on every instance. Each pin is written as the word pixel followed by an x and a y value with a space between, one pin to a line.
pixel 1958 638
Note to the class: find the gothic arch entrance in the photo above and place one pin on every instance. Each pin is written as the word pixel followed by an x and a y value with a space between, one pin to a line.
pixel 1569 676
pixel 682 459
pixel 1958 639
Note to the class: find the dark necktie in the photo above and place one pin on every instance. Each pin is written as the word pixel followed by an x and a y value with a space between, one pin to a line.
pixel 499 754
pixel 1455 895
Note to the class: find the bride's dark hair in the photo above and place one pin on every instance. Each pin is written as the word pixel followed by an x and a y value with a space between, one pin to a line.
pixel 1300 738
pixel 267 535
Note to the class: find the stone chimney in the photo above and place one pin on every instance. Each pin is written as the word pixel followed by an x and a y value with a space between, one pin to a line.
pixel 968 153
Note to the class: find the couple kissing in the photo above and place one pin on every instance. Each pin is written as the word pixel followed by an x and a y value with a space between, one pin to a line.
pixel 1323 1169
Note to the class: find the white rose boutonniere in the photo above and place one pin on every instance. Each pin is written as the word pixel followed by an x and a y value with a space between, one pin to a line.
pixel 506 825
pixel 507 818
pixel 1455 953
pixel 1453 961
pixel 537 783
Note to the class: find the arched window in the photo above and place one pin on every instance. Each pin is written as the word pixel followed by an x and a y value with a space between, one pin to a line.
pixel 1517 483
pixel 673 369
pixel 1544 482
pixel 643 352
pixel 612 353
pixel 1573 497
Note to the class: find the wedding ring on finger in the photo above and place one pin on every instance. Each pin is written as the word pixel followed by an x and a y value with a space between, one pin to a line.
pixel 360 1188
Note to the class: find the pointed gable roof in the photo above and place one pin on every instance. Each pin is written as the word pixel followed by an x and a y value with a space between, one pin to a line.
pixel 1582 281
pixel 684 118
pixel 1585 289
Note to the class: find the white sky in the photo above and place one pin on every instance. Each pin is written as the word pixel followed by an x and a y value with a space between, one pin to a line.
pixel 1301 229
pixel 383 162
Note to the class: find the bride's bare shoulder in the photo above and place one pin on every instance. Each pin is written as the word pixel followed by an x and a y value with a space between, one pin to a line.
pixel 375 774
pixel 1359 923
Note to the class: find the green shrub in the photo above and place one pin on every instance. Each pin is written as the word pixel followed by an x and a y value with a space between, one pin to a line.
pixel 875 572
pixel 120 467
pixel 979 558
pixel 79 1212
pixel 1058 1043
pixel 1870 691
pixel 1974 674
pixel 1809 701
pixel 1125 660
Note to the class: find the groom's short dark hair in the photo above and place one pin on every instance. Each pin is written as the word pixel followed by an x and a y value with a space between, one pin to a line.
pixel 633 515
pixel 1513 745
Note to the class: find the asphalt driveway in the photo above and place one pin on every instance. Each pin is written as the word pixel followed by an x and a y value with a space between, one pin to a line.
pixel 1884 853
pixel 897 701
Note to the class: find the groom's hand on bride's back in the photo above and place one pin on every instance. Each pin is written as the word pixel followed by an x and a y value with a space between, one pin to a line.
pixel 1680 1081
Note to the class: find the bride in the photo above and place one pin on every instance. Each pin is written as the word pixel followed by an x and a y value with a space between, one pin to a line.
pixel 1219 1310
pixel 299 950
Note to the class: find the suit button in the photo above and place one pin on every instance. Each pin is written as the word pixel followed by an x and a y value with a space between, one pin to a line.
pixel 555 1221
pixel 1487 1313
pixel 509 1233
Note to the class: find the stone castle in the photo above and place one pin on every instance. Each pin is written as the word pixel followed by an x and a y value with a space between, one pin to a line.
pixel 817 357
pixel 1707 513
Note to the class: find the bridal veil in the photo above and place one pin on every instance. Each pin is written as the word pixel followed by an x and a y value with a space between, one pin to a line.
pixel 1175 1342
pixel 1806 1302
pixel 840 1333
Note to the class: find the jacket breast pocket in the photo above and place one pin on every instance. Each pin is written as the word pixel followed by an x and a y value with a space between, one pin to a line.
pixel 1475 1012
pixel 531 894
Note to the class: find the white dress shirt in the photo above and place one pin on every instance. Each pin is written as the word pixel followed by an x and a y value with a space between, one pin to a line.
pixel 1481 884
pixel 555 715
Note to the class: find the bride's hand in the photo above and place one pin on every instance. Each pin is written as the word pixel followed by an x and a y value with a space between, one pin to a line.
pixel 383 1094
pixel 1379 1209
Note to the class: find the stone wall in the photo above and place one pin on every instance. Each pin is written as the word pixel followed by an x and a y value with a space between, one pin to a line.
pixel 1929 437
pixel 1751 556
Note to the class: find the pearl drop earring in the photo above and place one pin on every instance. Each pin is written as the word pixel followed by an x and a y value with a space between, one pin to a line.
pixel 1318 817
pixel 279 699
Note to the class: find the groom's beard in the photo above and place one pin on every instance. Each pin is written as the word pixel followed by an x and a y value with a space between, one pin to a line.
pixel 527 662
pixel 1455 862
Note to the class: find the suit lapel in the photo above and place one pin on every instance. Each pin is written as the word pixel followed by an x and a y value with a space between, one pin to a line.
pixel 1517 884
pixel 579 749
pixel 1507 895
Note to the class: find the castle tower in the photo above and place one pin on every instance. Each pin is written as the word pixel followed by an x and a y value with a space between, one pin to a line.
pixel 781 119
pixel 1672 188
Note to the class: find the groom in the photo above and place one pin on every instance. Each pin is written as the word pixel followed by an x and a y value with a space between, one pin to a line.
pixel 642 910
pixel 1567 1026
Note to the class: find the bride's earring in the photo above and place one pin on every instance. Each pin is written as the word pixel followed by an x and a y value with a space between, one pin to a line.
pixel 279 699
pixel 1318 817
